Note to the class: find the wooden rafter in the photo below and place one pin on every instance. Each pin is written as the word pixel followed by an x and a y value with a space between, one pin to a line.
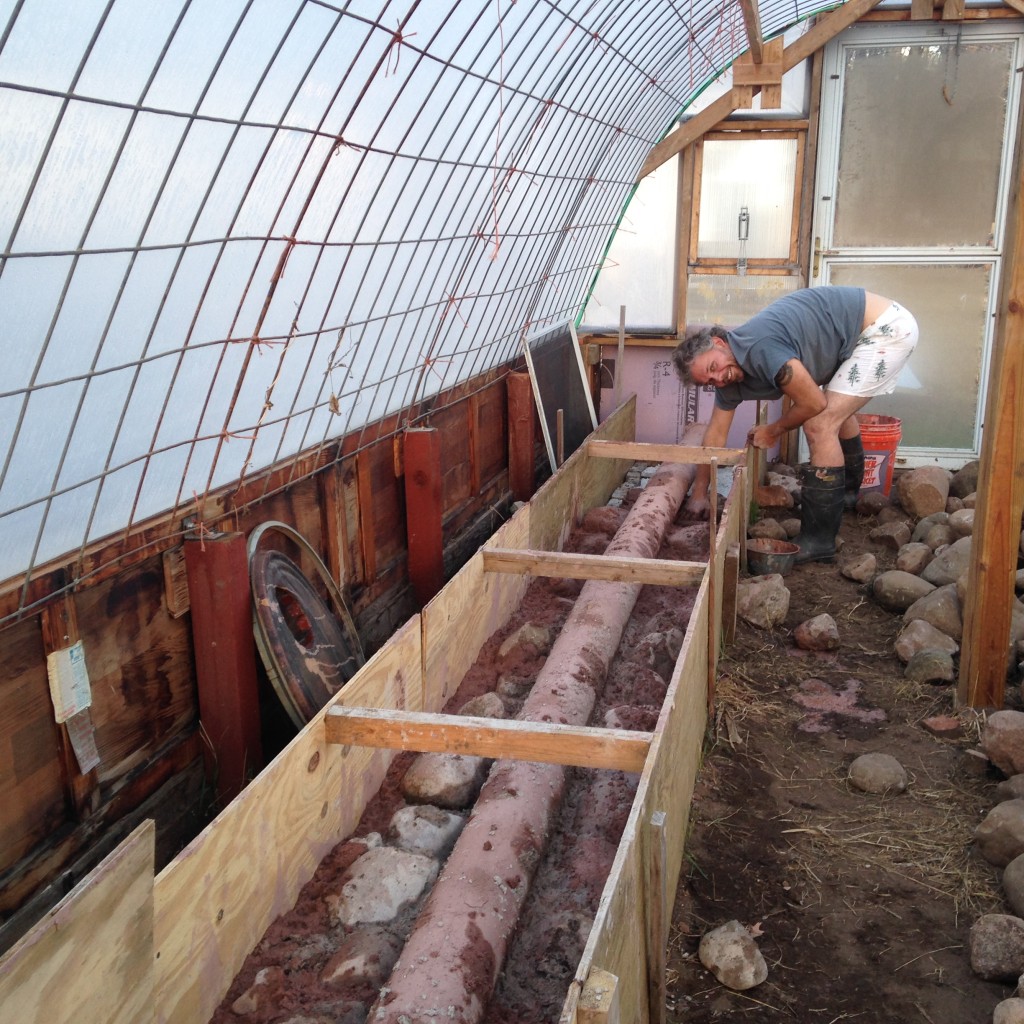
pixel 811 41
pixel 752 23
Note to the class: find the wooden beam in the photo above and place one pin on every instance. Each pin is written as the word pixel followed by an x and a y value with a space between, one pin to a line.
pixel 566 565
pixel 225 656
pixel 599 1000
pixel 521 435
pixel 765 75
pixel 1017 5
pixel 813 39
pixel 922 10
pixel 545 742
pixel 752 23
pixel 953 10
pixel 997 517
pixel 424 511
pixel 639 451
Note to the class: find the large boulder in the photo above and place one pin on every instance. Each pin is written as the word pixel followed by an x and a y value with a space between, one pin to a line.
pixel 763 601
pixel 924 491
pixel 1002 740
pixel 949 564
pixel 1000 836
pixel 732 956
pixel 941 608
pixel 918 636
pixel 997 947
pixel 897 590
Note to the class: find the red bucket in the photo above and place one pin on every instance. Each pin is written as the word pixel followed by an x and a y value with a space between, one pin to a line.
pixel 880 436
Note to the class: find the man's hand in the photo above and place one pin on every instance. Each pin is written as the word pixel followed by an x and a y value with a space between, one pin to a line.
pixel 697 506
pixel 763 436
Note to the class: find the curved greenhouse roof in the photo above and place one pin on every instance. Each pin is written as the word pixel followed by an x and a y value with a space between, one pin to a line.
pixel 235 230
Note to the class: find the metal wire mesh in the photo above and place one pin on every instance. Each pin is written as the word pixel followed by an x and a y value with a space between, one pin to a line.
pixel 236 230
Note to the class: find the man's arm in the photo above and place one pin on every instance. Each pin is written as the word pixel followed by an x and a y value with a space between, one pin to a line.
pixel 714 437
pixel 807 397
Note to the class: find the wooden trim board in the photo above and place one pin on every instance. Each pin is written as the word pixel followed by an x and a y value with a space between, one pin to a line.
pixel 560 564
pixel 547 742
pixel 640 451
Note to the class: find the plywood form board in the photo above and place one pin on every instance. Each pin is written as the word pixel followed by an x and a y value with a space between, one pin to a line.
pixel 581 483
pixel 90 959
pixel 472 605
pixel 217 898
pixel 491 412
pixel 617 942
pixel 139 660
pixel 32 802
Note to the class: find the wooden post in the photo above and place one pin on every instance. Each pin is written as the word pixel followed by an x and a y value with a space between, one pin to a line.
pixel 730 578
pixel 423 511
pixel 225 653
pixel 620 356
pixel 658 918
pixel 997 518
pixel 521 436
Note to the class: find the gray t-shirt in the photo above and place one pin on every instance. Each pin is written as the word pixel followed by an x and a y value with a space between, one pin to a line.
pixel 818 326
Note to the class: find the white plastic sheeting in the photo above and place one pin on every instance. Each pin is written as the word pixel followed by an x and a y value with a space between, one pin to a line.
pixel 234 230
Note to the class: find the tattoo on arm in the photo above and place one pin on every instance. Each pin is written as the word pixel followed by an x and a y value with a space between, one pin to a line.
pixel 784 376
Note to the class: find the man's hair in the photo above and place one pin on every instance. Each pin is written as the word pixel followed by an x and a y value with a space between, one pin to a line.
pixel 692 346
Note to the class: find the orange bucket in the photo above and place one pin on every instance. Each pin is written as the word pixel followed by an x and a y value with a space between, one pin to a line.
pixel 881 437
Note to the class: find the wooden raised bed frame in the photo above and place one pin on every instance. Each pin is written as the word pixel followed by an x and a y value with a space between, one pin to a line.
pixel 174 943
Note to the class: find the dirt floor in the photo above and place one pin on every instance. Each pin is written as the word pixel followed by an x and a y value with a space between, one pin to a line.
pixel 863 904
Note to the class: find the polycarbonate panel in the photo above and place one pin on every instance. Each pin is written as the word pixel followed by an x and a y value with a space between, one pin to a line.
pixel 730 300
pixel 745 216
pixel 234 229
pixel 938 133
pixel 938 394
pixel 639 270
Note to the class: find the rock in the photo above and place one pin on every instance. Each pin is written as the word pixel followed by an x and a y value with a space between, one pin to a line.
pixel 962 522
pixel 782 469
pixel 965 480
pixel 1000 836
pixel 511 687
pixel 793 527
pixel 913 557
pixel 773 497
pixel 925 524
pixel 947 566
pixel 997 947
pixel 954 504
pixel 379 885
pixel 762 601
pixel 930 666
pixel 970 501
pixel 922 636
pixel 860 568
pixel 924 491
pixel 1018 581
pixel 896 590
pixel 364 957
pixel 1013 884
pixel 422 828
pixel 263 992
pixel 447 780
pixel 946 727
pixel 878 773
pixel 870 503
pixel 786 482
pixel 732 957
pixel 817 634
pixel 1009 1011
pixel 487 705
pixel 770 528
pixel 891 535
pixel 939 535
pixel 661 650
pixel 891 514
pixel 1011 788
pixel 940 608
pixel 1002 739
pixel 538 637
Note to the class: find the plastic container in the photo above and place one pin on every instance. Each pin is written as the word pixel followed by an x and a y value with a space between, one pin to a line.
pixel 765 556
pixel 881 437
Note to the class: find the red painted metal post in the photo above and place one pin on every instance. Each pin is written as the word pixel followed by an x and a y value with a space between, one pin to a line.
pixel 521 436
pixel 423 511
pixel 225 654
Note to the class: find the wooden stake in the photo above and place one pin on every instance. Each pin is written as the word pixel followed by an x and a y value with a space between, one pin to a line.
pixel 423 511
pixel 657 917
pixel 713 609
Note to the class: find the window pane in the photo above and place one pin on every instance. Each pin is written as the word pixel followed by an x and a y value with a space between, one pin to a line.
pixel 722 299
pixel 922 123
pixel 753 174
pixel 639 270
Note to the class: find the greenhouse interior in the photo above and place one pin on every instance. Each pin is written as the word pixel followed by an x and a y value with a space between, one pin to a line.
pixel 333 327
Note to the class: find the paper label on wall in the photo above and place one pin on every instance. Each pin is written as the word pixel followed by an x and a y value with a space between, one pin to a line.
pixel 83 741
pixel 69 681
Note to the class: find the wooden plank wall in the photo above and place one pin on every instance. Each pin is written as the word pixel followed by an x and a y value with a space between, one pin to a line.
pixel 138 645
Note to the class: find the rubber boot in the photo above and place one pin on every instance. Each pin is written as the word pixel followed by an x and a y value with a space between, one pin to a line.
pixel 821 512
pixel 853 465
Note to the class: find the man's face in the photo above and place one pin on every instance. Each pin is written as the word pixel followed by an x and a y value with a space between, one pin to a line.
pixel 717 366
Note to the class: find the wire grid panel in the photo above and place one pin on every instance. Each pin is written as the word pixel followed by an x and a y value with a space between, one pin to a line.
pixel 236 230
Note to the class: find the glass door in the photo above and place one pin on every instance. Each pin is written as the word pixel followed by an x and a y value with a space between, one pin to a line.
pixel 917 135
